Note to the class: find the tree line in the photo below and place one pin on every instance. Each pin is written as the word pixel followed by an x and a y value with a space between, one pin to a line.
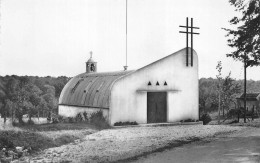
pixel 29 95
pixel 38 96
pixel 229 90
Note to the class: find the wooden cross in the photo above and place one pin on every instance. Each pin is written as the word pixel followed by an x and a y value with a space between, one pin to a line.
pixel 187 39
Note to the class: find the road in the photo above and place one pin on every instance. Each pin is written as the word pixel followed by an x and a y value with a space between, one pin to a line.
pixel 238 147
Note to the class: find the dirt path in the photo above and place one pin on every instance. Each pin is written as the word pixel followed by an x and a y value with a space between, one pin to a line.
pixel 121 144
pixel 243 146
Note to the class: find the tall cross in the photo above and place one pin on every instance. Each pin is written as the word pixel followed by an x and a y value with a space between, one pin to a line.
pixel 187 39
pixel 90 54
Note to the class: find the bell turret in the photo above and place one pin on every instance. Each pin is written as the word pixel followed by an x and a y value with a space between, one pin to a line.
pixel 91 65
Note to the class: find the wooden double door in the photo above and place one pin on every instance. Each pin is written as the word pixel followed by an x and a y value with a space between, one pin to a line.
pixel 156 107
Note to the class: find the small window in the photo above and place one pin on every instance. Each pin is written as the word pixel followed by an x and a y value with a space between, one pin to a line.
pixel 149 83
pixel 85 91
pixel 157 83
pixel 165 83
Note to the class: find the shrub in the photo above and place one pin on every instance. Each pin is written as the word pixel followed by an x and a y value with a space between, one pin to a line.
pixel 15 123
pixel 125 123
pixel 55 120
pixel 233 113
pixel 71 119
pixel 30 122
pixel 234 121
pixel 189 120
pixel 205 118
pixel 60 118
pixel 98 119
pixel 49 117
pixel 64 139
pixel 5 142
pixel 85 115
pixel 79 117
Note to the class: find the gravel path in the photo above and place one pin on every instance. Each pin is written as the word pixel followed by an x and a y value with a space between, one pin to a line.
pixel 123 143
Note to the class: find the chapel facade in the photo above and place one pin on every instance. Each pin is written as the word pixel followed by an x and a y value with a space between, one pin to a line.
pixel 163 91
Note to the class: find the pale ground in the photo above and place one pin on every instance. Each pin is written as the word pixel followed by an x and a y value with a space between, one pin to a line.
pixel 123 143
pixel 243 146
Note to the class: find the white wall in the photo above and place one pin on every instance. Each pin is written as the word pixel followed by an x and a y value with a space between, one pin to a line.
pixel 129 94
pixel 72 111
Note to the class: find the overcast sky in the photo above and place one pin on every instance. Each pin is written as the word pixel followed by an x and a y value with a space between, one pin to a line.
pixel 54 37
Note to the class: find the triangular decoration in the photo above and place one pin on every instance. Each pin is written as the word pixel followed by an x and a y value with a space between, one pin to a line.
pixel 157 83
pixel 149 83
pixel 165 83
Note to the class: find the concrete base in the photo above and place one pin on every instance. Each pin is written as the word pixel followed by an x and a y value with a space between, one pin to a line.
pixel 161 124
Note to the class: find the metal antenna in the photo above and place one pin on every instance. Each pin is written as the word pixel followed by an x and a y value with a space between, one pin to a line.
pixel 187 39
pixel 125 67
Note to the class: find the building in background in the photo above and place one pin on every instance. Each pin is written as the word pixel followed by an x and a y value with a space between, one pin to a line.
pixel 252 101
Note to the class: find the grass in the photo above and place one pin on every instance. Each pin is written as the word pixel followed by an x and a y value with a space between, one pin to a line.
pixel 233 121
pixel 40 137
pixel 43 136
pixel 249 123
pixel 58 126
pixel 35 141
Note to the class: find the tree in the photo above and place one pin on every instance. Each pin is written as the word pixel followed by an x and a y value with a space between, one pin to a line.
pixel 49 97
pixel 58 89
pixel 21 95
pixel 219 68
pixel 230 90
pixel 35 100
pixel 206 94
pixel 25 98
pixel 42 107
pixel 246 37
pixel 3 101
pixel 227 90
pixel 10 107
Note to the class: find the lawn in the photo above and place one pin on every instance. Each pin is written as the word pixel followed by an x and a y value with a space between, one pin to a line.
pixel 40 137
pixel 58 127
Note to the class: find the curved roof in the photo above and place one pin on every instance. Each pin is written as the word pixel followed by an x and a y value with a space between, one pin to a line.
pixel 90 89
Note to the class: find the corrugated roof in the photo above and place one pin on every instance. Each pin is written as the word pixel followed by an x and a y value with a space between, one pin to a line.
pixel 90 89
pixel 249 96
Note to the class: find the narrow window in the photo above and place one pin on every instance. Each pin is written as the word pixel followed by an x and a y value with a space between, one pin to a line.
pixel 76 85
pixel 149 83
pixel 100 86
pixel 157 83
pixel 165 83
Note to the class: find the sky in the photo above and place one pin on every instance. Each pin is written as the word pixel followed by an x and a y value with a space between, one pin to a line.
pixel 54 37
